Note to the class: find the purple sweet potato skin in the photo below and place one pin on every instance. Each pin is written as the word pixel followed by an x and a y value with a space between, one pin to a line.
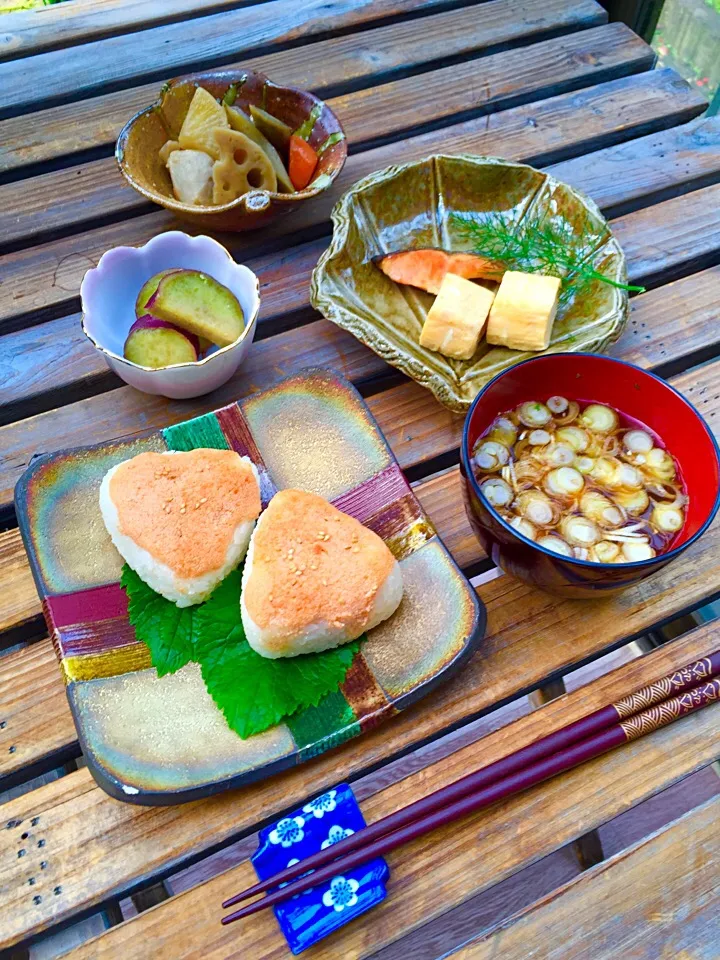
pixel 149 322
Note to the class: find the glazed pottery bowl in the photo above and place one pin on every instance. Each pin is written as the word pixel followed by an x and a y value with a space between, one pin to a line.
pixel 108 293
pixel 427 204
pixel 630 390
pixel 137 149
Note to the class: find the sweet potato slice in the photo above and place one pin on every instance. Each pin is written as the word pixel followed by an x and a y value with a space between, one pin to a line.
pixel 427 268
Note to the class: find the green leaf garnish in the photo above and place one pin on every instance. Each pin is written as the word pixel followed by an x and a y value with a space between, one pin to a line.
pixel 538 246
pixel 254 693
pixel 166 629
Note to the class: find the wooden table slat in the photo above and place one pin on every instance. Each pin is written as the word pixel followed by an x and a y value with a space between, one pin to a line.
pixel 393 68
pixel 82 828
pixel 64 200
pixel 463 858
pixel 656 899
pixel 54 364
pixel 42 282
pixel 328 65
pixel 680 234
pixel 647 170
pixel 102 66
pixel 27 32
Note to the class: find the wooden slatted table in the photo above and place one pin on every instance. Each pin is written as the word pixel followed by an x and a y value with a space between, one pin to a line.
pixel 549 82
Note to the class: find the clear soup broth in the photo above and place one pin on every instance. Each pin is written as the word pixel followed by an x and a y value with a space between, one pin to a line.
pixel 583 480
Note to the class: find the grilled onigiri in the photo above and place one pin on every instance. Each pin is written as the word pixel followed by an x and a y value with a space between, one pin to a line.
pixel 182 520
pixel 314 578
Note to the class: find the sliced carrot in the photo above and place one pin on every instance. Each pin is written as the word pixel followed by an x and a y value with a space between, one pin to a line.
pixel 302 162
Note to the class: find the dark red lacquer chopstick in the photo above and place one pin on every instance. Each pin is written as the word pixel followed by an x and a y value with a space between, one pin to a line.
pixel 633 728
pixel 685 678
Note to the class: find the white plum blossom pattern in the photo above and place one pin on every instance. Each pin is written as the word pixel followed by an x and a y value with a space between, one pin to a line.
pixel 342 894
pixel 288 831
pixel 335 835
pixel 321 805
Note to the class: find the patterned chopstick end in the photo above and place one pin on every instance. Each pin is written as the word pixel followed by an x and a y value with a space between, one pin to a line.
pixel 664 713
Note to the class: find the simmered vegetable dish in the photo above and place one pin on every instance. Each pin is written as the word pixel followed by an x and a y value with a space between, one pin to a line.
pixel 223 152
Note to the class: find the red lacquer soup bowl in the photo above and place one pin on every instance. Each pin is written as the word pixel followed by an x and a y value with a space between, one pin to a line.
pixel 631 391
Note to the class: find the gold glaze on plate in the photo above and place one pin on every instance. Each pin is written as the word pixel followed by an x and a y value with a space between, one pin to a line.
pixel 325 443
pixel 397 651
pixel 67 533
pixel 166 731
pixel 410 207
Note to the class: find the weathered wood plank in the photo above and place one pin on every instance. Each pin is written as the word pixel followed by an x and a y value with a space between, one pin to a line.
pixel 55 364
pixel 109 64
pixel 328 65
pixel 650 169
pixel 684 584
pixel 63 200
pixel 43 282
pixel 682 233
pixel 674 879
pixel 82 828
pixel 697 232
pixel 33 707
pixel 483 87
pixel 27 32
pixel 20 603
pixel 670 327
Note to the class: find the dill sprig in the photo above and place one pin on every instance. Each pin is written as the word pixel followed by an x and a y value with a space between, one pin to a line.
pixel 538 246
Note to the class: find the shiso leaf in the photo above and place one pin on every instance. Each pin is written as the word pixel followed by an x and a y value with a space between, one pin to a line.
pixel 166 629
pixel 255 693
pixel 252 692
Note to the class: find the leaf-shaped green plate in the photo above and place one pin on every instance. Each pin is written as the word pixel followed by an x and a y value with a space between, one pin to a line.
pixel 411 206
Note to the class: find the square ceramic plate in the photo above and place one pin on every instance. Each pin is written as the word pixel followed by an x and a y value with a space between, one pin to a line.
pixel 160 741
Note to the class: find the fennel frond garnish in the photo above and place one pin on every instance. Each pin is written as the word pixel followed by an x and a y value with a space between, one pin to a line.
pixel 538 246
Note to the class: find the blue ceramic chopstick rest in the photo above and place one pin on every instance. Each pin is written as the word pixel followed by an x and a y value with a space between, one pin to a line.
pixel 310 917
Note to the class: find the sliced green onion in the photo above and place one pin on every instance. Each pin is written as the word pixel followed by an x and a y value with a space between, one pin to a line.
pixel 230 95
pixel 330 142
pixel 307 126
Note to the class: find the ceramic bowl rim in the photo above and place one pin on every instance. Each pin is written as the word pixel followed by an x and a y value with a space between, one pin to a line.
pixel 172 203
pixel 650 564
pixel 188 364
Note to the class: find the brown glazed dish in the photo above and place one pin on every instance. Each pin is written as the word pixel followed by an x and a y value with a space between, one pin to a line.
pixel 140 140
